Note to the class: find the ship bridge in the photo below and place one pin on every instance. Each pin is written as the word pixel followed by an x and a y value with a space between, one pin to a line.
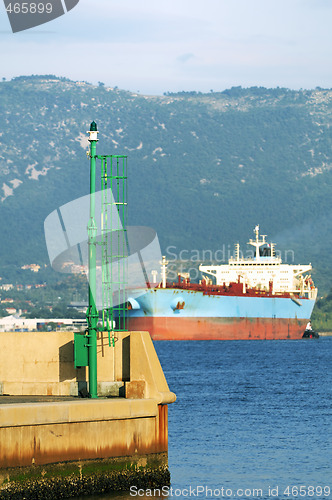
pixel 263 270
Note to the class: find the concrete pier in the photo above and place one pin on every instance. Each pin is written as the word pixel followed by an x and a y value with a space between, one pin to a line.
pixel 52 438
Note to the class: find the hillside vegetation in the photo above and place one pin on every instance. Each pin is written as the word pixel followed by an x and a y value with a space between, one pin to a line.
pixel 204 169
pixel 322 314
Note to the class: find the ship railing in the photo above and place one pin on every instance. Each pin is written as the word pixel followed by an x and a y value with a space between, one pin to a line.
pixel 264 261
pixel 310 293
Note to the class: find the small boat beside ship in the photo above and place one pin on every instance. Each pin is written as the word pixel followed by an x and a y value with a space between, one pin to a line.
pixel 309 333
pixel 249 298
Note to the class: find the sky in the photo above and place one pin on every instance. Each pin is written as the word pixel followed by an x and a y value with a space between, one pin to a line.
pixel 156 46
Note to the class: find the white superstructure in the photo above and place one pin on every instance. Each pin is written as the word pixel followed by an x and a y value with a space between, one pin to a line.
pixel 264 270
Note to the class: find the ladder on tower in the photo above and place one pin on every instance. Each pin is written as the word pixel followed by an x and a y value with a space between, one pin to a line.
pixel 114 243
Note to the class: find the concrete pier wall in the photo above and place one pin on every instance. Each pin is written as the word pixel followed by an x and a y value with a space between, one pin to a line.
pixel 42 363
pixel 45 433
pixel 51 439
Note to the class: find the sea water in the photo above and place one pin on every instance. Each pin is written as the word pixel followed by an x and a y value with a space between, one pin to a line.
pixel 253 419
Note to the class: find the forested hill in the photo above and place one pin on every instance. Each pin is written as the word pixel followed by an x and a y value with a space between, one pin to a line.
pixel 204 169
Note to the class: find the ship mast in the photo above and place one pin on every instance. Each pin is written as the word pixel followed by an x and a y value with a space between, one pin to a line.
pixel 163 263
pixel 257 242
pixel 237 252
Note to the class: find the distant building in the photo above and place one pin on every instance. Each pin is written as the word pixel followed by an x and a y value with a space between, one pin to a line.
pixel 33 267
pixel 7 286
pixel 70 267
pixel 15 323
pixel 11 310
pixel 79 306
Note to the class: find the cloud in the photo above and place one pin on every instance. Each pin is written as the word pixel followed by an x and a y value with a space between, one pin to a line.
pixel 317 4
pixel 185 58
pixel 159 46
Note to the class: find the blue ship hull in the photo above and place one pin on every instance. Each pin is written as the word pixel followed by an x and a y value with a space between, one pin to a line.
pixel 180 314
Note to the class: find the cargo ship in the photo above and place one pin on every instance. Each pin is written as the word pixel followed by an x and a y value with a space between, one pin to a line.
pixel 249 298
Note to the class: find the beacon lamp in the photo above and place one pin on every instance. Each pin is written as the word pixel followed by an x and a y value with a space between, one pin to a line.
pixel 93 132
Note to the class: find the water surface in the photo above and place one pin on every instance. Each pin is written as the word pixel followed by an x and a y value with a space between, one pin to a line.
pixel 253 419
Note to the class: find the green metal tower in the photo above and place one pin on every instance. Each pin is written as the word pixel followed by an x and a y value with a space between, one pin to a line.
pixel 107 258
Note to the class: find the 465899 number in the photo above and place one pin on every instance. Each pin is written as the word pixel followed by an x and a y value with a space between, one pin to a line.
pixel 310 491
pixel 29 8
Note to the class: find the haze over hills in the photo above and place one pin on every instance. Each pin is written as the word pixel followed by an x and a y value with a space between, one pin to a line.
pixel 204 169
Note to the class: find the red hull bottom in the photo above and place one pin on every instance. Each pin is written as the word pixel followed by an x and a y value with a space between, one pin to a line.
pixel 219 328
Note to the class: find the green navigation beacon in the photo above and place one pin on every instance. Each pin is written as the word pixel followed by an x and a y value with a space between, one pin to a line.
pixel 111 267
